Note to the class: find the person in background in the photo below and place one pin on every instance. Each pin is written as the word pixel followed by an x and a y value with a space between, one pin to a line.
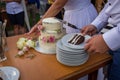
pixel 33 7
pixel 15 13
pixel 1 17
pixel 43 4
pixel 77 12
pixel 109 41
pixel 1 20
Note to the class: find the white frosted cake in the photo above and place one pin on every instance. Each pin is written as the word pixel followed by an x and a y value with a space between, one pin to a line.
pixel 52 32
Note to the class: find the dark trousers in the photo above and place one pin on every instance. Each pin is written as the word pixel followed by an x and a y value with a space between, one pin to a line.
pixel 114 67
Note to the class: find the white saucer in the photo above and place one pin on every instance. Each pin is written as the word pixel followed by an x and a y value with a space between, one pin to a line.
pixel 37 48
pixel 11 73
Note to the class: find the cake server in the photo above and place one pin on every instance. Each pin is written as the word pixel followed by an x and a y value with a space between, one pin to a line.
pixel 68 24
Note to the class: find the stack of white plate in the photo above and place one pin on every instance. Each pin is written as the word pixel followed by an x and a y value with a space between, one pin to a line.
pixel 70 54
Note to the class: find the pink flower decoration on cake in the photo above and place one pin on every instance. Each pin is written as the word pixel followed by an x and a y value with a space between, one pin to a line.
pixel 48 39
pixel 51 39
pixel 44 39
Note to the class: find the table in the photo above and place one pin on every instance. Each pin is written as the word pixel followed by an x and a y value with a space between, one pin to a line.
pixel 46 67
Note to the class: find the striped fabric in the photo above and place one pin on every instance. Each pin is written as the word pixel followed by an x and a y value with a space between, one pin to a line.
pixel 107 28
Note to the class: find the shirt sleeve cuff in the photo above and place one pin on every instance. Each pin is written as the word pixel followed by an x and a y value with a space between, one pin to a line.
pixel 99 24
pixel 112 38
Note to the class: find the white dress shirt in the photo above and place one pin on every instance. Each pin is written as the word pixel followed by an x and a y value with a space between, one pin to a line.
pixel 110 14
pixel 14 7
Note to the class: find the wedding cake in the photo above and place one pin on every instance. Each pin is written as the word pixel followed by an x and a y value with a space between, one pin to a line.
pixel 51 33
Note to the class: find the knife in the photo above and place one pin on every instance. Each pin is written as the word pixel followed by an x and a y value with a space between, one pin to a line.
pixel 68 24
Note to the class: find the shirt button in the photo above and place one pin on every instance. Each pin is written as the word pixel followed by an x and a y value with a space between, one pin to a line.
pixel 110 4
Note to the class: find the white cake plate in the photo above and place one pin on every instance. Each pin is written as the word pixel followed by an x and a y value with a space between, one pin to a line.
pixel 43 51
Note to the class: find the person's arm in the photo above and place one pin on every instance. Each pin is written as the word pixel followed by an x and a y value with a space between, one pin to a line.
pixel 55 8
pixel 102 19
pixel 52 11
pixel 112 37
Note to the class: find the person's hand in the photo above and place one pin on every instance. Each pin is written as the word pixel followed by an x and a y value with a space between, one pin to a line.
pixel 89 29
pixel 35 29
pixel 96 44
